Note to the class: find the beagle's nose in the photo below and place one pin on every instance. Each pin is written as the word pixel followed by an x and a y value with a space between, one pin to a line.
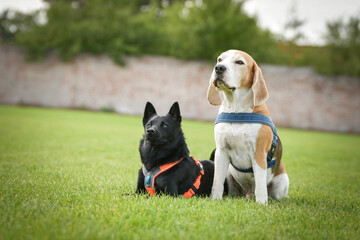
pixel 220 68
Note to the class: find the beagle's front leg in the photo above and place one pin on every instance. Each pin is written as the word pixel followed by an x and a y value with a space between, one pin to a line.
pixel 221 168
pixel 260 175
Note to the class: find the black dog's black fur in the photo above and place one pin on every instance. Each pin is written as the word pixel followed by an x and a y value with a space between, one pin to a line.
pixel 164 142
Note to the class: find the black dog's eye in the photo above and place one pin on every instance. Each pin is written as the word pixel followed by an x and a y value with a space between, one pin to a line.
pixel 148 125
pixel 239 62
pixel 164 125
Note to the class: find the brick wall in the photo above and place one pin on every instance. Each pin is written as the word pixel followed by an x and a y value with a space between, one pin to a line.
pixel 299 97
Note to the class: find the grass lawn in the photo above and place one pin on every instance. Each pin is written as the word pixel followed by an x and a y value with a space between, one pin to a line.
pixel 63 174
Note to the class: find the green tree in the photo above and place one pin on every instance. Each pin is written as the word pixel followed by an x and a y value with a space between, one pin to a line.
pixel 184 29
pixel 343 44
pixel 204 29
pixel 12 22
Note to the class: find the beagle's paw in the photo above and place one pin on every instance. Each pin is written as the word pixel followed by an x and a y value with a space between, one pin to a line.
pixel 216 196
pixel 262 200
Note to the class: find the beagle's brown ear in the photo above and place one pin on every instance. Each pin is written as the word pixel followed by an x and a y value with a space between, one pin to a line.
pixel 213 95
pixel 260 92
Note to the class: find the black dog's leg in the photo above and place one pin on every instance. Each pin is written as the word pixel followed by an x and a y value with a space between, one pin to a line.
pixel 140 188
pixel 172 189
pixel 212 156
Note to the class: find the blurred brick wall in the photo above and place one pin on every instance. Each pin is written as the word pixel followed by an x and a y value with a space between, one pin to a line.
pixel 299 97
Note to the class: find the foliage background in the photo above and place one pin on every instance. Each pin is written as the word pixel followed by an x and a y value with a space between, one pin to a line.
pixel 183 29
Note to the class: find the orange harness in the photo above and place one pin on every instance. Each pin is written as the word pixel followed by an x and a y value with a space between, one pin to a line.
pixel 150 177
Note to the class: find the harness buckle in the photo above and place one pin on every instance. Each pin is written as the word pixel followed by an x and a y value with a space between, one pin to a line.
pixel 147 180
pixel 201 167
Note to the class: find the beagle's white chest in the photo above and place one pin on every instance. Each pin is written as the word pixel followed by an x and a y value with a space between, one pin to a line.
pixel 237 140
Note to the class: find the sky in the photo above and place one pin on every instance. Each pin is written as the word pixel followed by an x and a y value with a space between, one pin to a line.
pixel 271 14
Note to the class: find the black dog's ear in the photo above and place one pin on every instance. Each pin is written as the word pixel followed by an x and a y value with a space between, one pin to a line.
pixel 175 112
pixel 149 112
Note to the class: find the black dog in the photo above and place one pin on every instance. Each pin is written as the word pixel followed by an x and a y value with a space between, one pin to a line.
pixel 162 146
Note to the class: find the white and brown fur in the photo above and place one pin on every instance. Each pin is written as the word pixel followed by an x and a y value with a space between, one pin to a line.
pixel 238 76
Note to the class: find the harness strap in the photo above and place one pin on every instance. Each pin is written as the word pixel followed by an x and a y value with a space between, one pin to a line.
pixel 151 175
pixel 197 182
pixel 270 164
pixel 225 117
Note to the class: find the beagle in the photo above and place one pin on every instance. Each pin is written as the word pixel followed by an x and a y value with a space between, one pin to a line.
pixel 244 145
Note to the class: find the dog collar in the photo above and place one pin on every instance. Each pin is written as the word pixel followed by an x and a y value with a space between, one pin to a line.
pixel 151 175
pixel 225 117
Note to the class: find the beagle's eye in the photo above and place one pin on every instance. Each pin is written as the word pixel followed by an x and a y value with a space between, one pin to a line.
pixel 240 62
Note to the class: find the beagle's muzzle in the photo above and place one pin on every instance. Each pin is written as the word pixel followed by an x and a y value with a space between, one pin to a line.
pixel 219 77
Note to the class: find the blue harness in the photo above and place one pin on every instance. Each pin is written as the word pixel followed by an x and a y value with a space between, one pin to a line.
pixel 251 118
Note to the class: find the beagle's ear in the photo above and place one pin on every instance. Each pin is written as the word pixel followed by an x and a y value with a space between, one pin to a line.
pixel 260 92
pixel 213 95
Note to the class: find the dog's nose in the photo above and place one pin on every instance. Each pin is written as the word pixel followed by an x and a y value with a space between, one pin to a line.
pixel 220 68
pixel 150 131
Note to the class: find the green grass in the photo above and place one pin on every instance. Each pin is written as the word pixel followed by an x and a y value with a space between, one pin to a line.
pixel 63 175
